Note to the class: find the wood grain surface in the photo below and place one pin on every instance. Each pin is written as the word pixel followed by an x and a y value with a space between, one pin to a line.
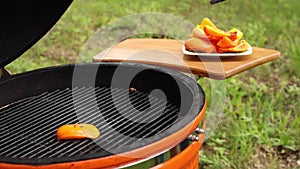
pixel 168 53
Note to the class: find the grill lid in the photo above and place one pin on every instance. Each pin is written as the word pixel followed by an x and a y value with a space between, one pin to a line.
pixel 23 23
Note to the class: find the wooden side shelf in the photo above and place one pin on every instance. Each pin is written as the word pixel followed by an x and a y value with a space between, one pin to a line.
pixel 167 52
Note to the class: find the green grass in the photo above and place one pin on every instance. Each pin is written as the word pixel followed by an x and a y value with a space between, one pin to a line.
pixel 260 124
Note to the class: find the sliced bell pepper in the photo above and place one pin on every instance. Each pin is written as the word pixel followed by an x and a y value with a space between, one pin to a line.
pixel 77 131
pixel 206 21
pixel 211 31
pixel 226 42
pixel 241 47
pixel 239 34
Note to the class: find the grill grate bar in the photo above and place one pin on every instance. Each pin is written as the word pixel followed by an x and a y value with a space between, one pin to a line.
pixel 68 148
pixel 19 143
pixel 116 137
pixel 20 107
pixel 63 120
pixel 156 106
pixel 34 132
pixel 29 128
pixel 41 132
pixel 8 125
pixel 141 102
pixel 165 122
pixel 152 124
pixel 146 126
pixel 109 111
pixel 106 131
pixel 42 111
pixel 120 96
pixel 59 150
pixel 36 105
pixel 100 142
pixel 77 148
pixel 20 103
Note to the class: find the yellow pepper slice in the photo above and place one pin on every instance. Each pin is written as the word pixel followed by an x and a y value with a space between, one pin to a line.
pixel 206 21
pixel 238 32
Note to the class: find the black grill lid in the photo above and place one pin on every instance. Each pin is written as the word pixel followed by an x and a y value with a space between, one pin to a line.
pixel 23 23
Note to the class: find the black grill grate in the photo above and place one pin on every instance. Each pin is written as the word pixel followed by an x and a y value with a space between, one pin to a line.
pixel 28 127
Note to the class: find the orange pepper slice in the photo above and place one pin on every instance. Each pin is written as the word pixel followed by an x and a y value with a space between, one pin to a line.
pixel 77 131
pixel 226 42
pixel 211 31
pixel 241 47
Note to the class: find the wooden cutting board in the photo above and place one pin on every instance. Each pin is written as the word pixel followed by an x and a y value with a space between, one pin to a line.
pixel 168 53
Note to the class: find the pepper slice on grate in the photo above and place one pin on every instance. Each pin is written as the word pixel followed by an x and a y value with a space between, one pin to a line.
pixel 77 131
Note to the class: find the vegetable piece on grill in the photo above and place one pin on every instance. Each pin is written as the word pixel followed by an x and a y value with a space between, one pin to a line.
pixel 77 131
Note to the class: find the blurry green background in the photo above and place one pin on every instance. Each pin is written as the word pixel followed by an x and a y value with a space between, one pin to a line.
pixel 260 125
